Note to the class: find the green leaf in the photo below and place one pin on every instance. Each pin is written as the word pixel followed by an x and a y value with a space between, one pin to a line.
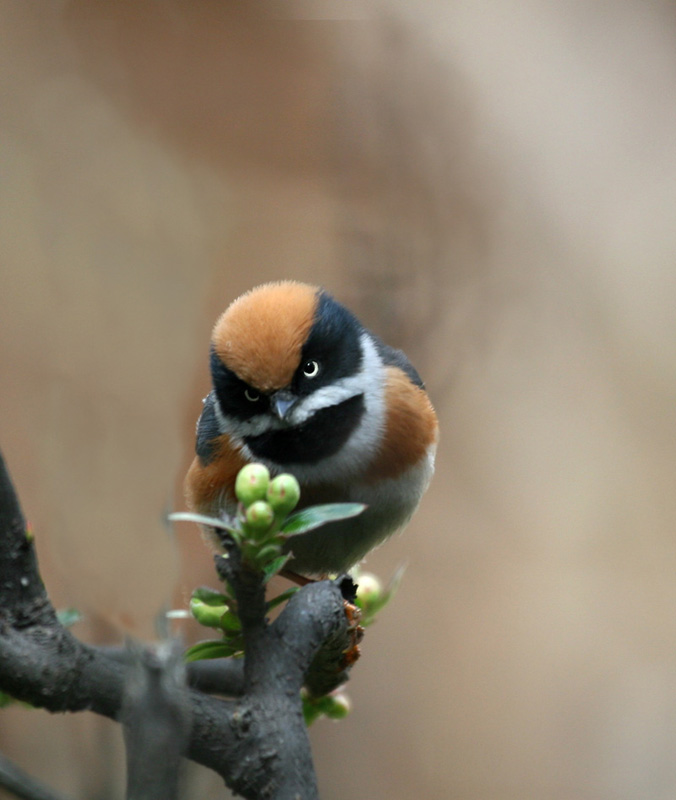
pixel 68 616
pixel 210 616
pixel 266 555
pixel 315 516
pixel 310 713
pixel 6 700
pixel 282 598
pixel 203 519
pixel 210 649
pixel 230 623
pixel 274 567
pixel 210 597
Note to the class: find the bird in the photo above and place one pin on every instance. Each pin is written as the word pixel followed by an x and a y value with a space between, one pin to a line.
pixel 301 386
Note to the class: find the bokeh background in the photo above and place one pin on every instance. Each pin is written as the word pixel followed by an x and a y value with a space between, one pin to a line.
pixel 490 186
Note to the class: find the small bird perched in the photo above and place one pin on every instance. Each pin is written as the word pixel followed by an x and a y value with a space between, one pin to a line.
pixel 301 386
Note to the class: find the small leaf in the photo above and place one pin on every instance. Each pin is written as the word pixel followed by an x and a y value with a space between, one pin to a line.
pixel 310 713
pixel 207 614
pixel 267 554
pixel 210 597
pixel 6 700
pixel 203 519
pixel 230 622
pixel 210 649
pixel 395 581
pixel 68 616
pixel 249 552
pixel 315 516
pixel 282 598
pixel 274 567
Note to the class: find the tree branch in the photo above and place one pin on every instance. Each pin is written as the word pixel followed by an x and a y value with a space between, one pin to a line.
pixel 156 718
pixel 257 741
pixel 22 784
pixel 224 676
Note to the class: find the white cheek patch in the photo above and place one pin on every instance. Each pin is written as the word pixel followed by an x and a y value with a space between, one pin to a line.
pixel 368 381
pixel 327 396
pixel 359 449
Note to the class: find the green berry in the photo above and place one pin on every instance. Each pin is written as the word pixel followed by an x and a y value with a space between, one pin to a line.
pixel 369 590
pixel 259 517
pixel 283 494
pixel 251 483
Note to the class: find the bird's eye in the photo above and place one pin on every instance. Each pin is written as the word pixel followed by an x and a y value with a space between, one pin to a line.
pixel 251 395
pixel 310 369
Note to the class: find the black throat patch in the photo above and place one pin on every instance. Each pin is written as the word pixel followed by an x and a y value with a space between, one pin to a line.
pixel 319 437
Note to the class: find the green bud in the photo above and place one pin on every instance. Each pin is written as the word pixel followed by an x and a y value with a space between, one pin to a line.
pixel 339 707
pixel 206 614
pixel 283 494
pixel 259 518
pixel 251 483
pixel 369 590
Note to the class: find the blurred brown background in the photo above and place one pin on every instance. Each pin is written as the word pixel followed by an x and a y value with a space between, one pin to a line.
pixel 488 185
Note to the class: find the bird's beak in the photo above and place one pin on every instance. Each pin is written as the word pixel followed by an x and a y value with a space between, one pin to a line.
pixel 282 402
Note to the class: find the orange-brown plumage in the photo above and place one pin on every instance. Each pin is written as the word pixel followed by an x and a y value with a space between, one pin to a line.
pixel 301 386
pixel 209 486
pixel 410 427
pixel 260 336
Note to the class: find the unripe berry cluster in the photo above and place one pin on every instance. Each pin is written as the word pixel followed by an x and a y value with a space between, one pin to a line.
pixel 264 504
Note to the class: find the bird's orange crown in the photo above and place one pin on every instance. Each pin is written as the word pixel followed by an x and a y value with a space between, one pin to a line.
pixel 261 334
